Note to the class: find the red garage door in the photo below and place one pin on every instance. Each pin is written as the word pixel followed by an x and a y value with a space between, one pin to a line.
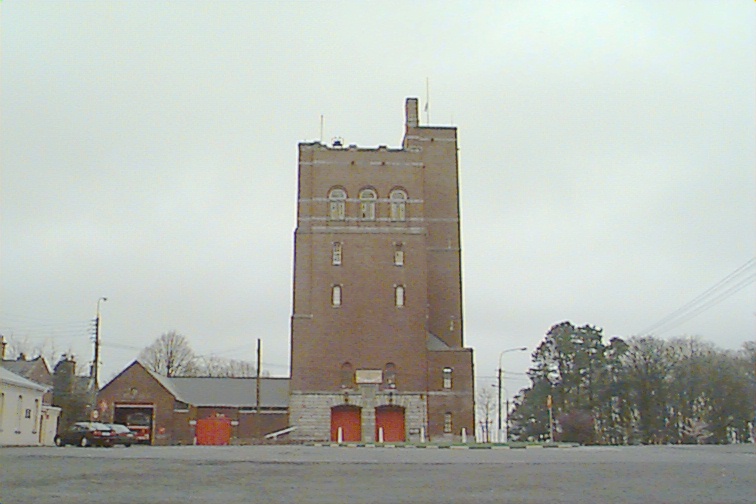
pixel 213 431
pixel 391 420
pixel 349 420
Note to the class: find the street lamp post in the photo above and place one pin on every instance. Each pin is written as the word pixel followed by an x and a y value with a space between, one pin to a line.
pixel 500 373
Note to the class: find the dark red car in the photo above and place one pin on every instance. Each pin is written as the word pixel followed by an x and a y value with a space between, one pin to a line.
pixel 86 434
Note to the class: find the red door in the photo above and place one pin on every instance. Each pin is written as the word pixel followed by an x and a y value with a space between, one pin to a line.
pixel 213 431
pixel 391 420
pixel 349 419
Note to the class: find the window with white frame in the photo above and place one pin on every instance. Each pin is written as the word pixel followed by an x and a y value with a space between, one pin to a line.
pixel 447 378
pixel 398 202
pixel 399 295
pixel 336 295
pixel 398 254
pixel 336 254
pixel 337 204
pixel 447 422
pixel 367 204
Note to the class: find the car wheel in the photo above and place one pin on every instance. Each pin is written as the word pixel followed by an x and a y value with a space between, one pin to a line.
pixel 84 442
pixel 127 445
pixel 58 441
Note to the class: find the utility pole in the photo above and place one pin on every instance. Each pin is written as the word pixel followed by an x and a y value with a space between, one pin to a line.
pixel 498 416
pixel 257 385
pixel 95 370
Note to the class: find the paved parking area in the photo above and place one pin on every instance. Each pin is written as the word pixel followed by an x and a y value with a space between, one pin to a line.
pixel 301 474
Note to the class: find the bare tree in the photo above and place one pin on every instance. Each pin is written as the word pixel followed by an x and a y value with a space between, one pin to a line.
pixel 23 348
pixel 486 409
pixel 220 367
pixel 170 355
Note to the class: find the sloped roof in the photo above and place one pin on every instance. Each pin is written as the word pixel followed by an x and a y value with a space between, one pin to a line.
pixel 23 367
pixel 233 392
pixel 11 378
pixel 165 382
pixel 433 342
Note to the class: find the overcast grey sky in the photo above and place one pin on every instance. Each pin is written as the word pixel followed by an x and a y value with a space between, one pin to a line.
pixel 607 160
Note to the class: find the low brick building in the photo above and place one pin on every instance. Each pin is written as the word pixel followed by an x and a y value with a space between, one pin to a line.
pixel 166 411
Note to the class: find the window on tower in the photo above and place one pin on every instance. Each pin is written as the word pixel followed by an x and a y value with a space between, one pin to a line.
pixel 347 375
pixel 398 199
pixel 399 295
pixel 398 254
pixel 389 375
pixel 336 254
pixel 367 204
pixel 336 295
pixel 447 378
pixel 447 422
pixel 337 204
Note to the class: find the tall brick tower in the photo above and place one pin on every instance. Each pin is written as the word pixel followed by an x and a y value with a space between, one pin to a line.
pixel 376 332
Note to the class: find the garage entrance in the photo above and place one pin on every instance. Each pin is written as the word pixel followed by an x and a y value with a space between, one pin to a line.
pixel 137 417
pixel 347 420
pixel 390 420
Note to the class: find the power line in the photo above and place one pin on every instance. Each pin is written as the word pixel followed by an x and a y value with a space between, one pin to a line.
pixel 734 282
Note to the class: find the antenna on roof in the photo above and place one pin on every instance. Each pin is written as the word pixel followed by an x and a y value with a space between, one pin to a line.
pixel 427 101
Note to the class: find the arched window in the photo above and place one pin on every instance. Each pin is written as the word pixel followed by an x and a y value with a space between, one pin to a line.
pixel 398 199
pixel 447 378
pixel 399 295
pixel 336 295
pixel 347 375
pixel 337 204
pixel 367 204
pixel 389 375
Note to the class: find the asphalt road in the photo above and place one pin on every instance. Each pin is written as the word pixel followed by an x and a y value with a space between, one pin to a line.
pixel 300 474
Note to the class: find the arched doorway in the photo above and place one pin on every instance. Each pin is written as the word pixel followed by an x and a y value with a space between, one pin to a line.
pixel 348 418
pixel 391 420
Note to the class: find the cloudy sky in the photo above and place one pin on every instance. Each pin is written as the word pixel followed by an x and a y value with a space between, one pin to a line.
pixel 607 160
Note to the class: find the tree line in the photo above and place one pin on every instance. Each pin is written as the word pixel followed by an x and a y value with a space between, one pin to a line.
pixel 640 390
pixel 172 355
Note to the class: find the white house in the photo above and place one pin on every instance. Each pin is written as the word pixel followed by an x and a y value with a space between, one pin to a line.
pixel 23 418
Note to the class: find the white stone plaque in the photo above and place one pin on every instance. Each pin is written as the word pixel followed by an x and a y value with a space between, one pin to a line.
pixel 369 376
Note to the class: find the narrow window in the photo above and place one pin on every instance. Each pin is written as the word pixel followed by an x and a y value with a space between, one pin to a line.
pixel 399 295
pixel 367 204
pixel 389 375
pixel 447 422
pixel 336 254
pixel 336 295
pixel 447 378
pixel 347 375
pixel 398 254
pixel 337 204
pixel 398 199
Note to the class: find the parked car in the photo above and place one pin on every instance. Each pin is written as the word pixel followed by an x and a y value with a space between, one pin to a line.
pixel 122 435
pixel 86 434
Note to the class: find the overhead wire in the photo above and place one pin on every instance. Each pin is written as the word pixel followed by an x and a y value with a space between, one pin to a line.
pixel 737 280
